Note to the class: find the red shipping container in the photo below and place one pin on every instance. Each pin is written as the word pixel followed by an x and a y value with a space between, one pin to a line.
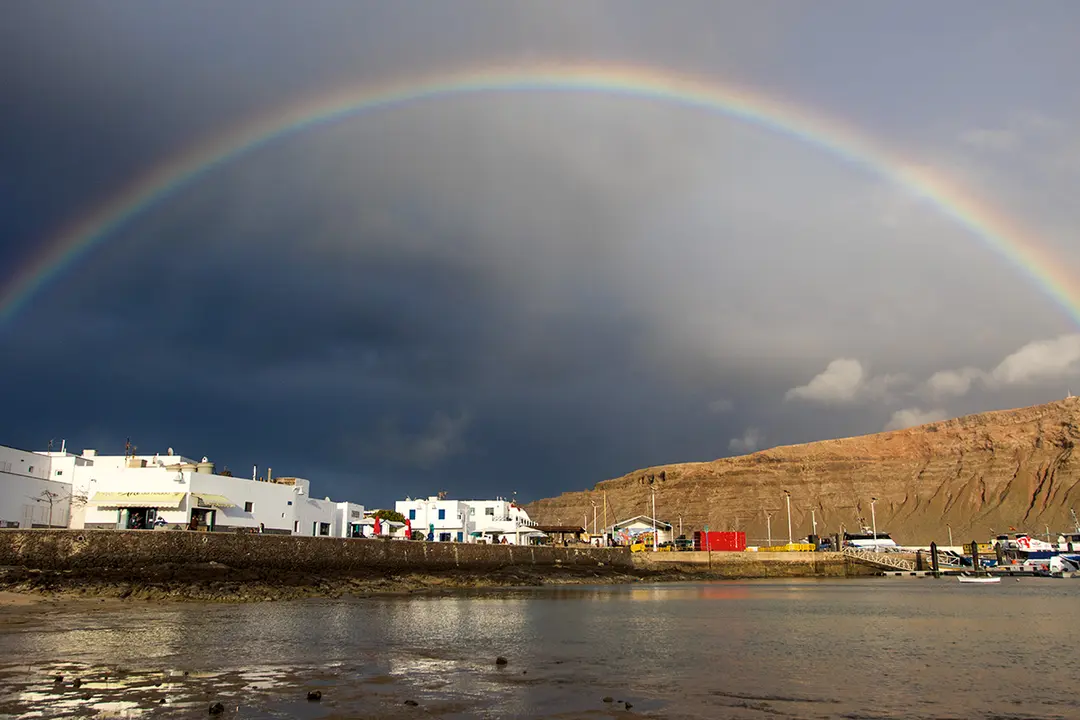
pixel 720 541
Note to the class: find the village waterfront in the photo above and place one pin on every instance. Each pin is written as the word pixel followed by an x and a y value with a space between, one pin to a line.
pixel 810 648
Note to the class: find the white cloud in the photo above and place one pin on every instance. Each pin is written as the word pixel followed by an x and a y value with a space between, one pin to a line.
pixel 952 383
pixel 910 417
pixel 721 405
pixel 840 382
pixel 751 440
pixel 846 381
pixel 1040 360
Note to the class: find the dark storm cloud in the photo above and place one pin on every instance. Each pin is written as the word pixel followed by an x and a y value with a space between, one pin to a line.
pixel 517 293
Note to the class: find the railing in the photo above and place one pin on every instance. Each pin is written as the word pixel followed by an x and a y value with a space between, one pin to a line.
pixel 879 559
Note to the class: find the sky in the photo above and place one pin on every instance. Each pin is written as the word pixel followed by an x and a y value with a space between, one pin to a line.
pixel 528 292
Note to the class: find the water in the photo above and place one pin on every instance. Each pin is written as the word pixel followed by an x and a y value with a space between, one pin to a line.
pixel 874 648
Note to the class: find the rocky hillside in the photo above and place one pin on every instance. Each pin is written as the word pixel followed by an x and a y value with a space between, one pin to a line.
pixel 992 472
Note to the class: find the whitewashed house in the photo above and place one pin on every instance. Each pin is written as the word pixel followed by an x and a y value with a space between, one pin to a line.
pixel 170 491
pixel 440 520
pixel 497 520
pixel 489 521
pixel 32 492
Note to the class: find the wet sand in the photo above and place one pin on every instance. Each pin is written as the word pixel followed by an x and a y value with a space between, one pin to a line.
pixel 22 587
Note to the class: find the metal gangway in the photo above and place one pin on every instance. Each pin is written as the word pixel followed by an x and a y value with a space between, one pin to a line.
pixel 883 560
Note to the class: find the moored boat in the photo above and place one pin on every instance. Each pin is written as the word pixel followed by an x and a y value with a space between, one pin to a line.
pixel 979 579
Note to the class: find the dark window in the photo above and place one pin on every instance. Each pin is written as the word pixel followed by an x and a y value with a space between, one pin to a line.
pixel 324 528
pixel 444 537
pixel 442 514
pixel 412 514
pixel 248 507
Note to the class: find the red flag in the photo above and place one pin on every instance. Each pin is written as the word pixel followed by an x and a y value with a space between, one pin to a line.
pixel 408 529
pixel 378 525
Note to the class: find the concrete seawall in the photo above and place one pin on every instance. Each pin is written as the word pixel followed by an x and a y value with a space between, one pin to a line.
pixel 754 564
pixel 62 550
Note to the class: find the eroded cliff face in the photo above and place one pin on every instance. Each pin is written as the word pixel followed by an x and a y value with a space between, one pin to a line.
pixel 981 474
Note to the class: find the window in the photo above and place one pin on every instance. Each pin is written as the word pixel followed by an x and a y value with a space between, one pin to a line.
pixel 248 506
pixel 296 526
pixel 412 514
pixel 324 528
pixel 472 511
pixel 489 511
pixel 290 502
pixel 59 472
pixel 444 537
pixel 442 514
pixel 355 513
pixel 460 536
pixel 30 469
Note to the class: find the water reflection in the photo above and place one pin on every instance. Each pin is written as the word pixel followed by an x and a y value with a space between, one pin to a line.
pixel 804 649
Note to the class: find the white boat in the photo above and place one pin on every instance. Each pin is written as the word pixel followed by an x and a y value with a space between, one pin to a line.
pixel 979 579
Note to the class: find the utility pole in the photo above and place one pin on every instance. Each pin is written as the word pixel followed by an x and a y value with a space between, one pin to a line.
pixel 605 519
pixel 768 525
pixel 873 519
pixel 813 521
pixel 787 497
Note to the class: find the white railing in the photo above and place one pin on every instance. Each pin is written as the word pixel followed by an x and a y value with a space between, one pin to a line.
pixel 879 559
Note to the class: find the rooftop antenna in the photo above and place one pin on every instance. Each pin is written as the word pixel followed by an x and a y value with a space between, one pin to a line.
pixel 50 445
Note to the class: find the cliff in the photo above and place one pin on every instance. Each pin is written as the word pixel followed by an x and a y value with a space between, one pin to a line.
pixel 981 474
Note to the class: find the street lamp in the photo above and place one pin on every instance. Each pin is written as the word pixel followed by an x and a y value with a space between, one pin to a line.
pixel 768 526
pixel 813 521
pixel 873 520
pixel 787 498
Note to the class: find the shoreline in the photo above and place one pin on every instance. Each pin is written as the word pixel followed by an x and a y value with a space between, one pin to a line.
pixel 23 587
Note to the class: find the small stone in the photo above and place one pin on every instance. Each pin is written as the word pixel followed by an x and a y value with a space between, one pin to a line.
pixel 58 679
pixel 217 708
pixel 500 660
pixel 628 706
pixel 161 701
pixel 314 695
pixel 76 683
pixel 524 672
pixel 608 698
pixel 87 696
pixel 411 703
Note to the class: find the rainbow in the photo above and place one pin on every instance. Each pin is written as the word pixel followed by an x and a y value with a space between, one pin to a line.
pixel 998 232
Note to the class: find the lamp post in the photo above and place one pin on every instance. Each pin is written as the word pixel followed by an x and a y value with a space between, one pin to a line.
pixel 768 526
pixel 593 516
pixel 787 498
pixel 653 491
pixel 813 521
pixel 873 520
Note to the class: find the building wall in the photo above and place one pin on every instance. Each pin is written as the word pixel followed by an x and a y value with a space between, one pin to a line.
pixel 275 506
pixel 456 523
pixel 25 480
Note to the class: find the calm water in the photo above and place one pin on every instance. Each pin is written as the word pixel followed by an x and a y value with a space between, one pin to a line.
pixel 875 648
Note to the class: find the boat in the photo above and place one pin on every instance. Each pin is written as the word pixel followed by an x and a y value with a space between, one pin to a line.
pixel 979 578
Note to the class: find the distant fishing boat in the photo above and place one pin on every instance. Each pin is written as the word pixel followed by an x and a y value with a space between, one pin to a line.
pixel 979 579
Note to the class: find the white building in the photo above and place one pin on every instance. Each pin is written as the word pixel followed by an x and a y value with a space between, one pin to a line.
pixel 438 519
pixel 490 521
pixel 32 492
pixel 171 491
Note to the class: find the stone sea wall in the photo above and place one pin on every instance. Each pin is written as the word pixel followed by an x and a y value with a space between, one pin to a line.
pixel 755 564
pixel 62 550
